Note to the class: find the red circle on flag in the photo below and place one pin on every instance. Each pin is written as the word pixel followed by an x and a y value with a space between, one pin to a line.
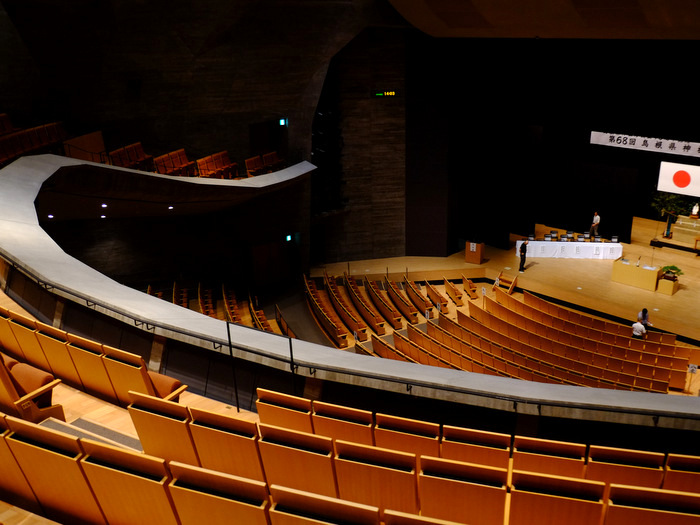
pixel 681 178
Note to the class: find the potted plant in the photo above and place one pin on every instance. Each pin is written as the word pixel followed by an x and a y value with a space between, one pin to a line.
pixel 671 272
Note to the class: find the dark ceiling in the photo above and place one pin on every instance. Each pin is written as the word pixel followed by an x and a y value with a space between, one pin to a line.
pixel 587 19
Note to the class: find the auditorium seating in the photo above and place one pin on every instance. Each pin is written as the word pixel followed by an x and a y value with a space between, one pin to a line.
pixel 345 309
pixel 469 288
pixel 419 299
pixel 298 507
pixel 272 161
pixel 14 487
pixel 26 391
pixel 34 140
pixel 112 473
pixel 376 476
pixel 401 301
pixel 453 292
pixel 536 498
pixel 300 460
pixel 132 156
pixel 163 428
pixel 383 349
pixel 436 297
pixel 364 306
pixel 342 422
pixel 254 166
pixel 283 410
pixel 549 457
pixel 50 461
pixel 302 477
pixel 384 304
pixel 129 372
pixel 569 361
pixel 462 492
pixel 645 506
pixel 207 304
pixel 226 444
pixel 408 435
pixel 226 498
pixel 325 314
pixel 232 311
pixel 218 166
pixel 175 163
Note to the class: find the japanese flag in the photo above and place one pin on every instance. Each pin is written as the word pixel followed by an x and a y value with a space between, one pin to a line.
pixel 679 178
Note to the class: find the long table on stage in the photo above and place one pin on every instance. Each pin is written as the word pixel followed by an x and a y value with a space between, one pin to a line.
pixel 572 249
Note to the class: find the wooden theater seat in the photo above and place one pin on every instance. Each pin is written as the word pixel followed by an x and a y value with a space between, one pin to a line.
pixel 254 166
pixel 26 391
pixel 24 329
pixel 682 473
pixel 549 457
pixel 376 476
pixel 129 372
pixel 298 460
pixel 407 435
pixel 341 422
pixel 54 343
pixel 14 487
pixel 625 466
pixel 226 443
pixel 476 446
pixel 284 410
pixel 554 500
pixel 162 427
pixel 88 358
pixel 130 487
pixel 50 461
pixel 463 492
pixel 628 505
pixel 298 507
pixel 227 499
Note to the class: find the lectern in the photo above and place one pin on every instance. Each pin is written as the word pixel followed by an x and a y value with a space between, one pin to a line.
pixel 474 252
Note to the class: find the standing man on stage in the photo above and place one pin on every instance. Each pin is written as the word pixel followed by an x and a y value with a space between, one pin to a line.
pixel 523 255
pixel 594 226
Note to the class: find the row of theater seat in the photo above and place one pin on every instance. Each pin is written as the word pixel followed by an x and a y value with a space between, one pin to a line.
pixel 440 472
pixel 100 370
pixel 584 326
pixel 576 357
pixel 38 139
pixel 82 481
pixel 636 356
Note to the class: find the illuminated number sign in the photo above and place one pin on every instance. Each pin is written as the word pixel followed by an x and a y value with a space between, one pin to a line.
pixel 378 93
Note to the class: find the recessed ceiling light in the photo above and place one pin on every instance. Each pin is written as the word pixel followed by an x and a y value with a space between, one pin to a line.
pixel 50 216
pixel 104 205
pixel 103 216
pixel 171 207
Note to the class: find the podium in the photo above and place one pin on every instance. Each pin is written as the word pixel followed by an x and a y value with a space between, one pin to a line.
pixel 686 229
pixel 645 277
pixel 474 252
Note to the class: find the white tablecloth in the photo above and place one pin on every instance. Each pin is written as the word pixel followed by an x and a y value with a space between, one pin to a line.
pixel 572 250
